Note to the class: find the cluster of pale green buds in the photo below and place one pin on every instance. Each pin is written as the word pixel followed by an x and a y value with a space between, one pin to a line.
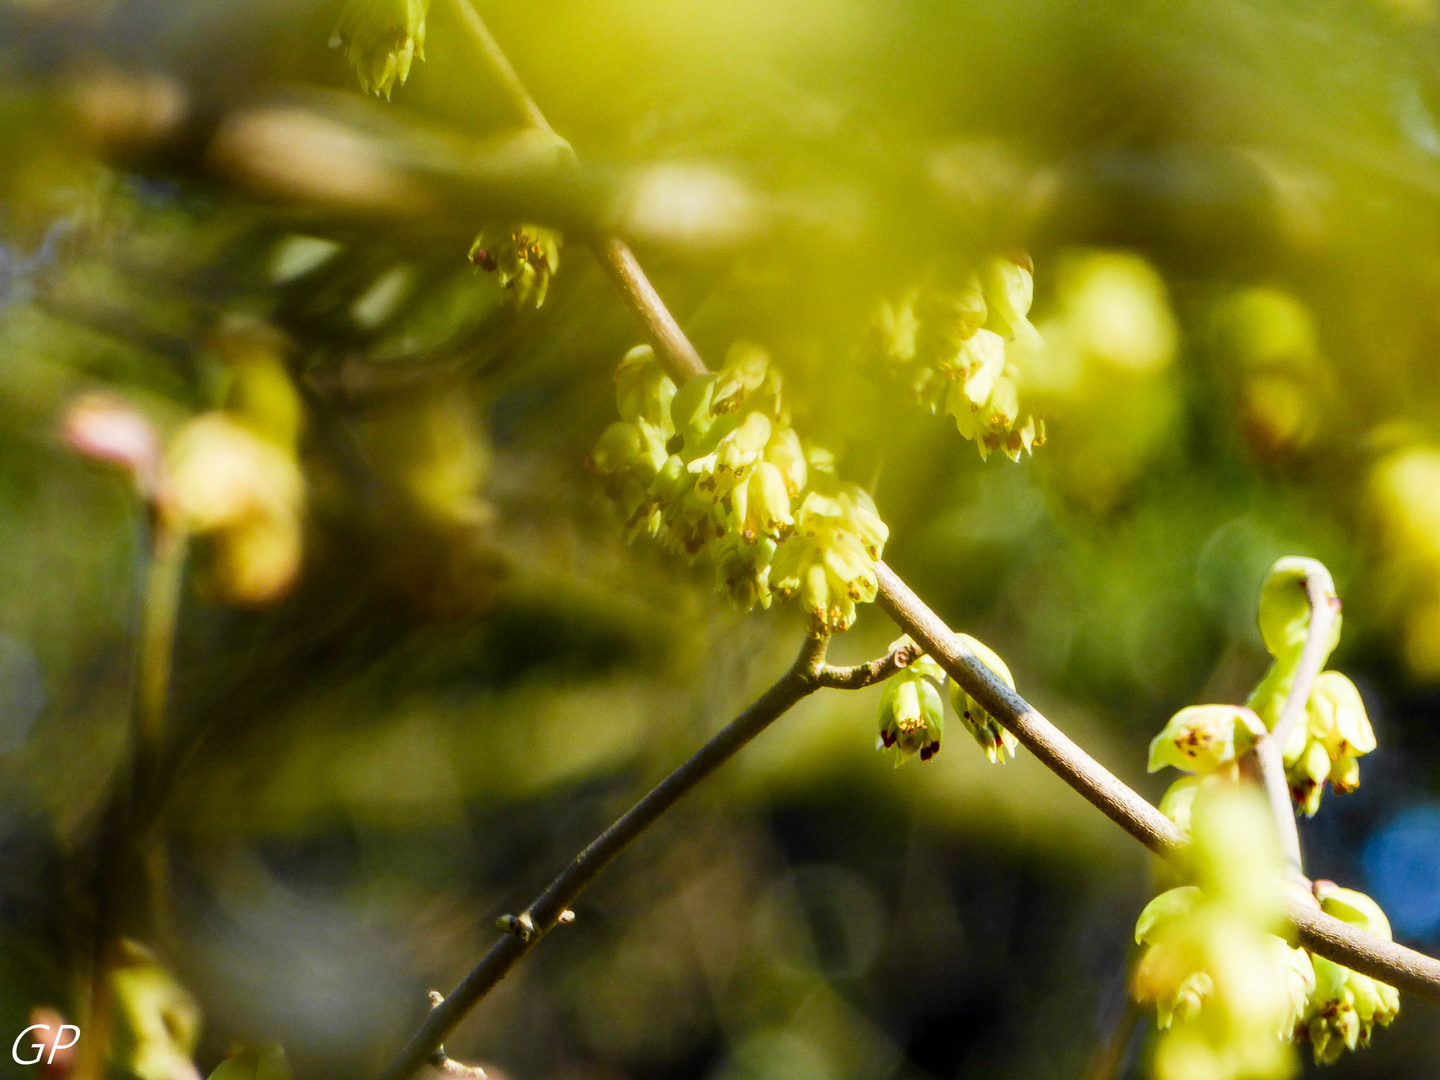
pixel 964 348
pixel 522 257
pixel 1345 1005
pixel 1340 1007
pixel 1336 730
pixel 1228 995
pixel 1206 740
pixel 912 712
pixel 1228 992
pixel 829 560
pixel 1335 734
pixel 381 39
pixel 1186 948
pixel 714 467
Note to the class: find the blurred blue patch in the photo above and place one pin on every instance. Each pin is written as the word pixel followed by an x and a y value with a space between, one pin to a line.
pixel 22 692
pixel 1402 866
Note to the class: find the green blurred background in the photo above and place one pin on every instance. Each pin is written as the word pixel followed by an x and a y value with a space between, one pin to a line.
pixel 1233 210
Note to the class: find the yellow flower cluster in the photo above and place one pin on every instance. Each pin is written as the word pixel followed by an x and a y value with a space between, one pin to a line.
pixel 1207 740
pixel 912 713
pixel 1191 950
pixel 964 348
pixel 1335 730
pixel 715 468
pixel 523 258
pixel 381 39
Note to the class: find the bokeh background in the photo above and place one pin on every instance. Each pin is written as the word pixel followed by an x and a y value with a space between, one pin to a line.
pixel 1233 208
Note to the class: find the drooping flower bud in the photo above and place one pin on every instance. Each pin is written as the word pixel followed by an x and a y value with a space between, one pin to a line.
pixel 742 570
pixel 1010 288
pixel 1285 603
pixel 745 368
pixel 1307 776
pixel 1345 1005
pixel 1201 739
pixel 693 417
pixel 761 505
pixel 786 454
pixel 896 327
pixel 1165 975
pixel 642 389
pixel 523 258
pixel 994 739
pixel 381 39
pixel 912 717
pixel 1336 716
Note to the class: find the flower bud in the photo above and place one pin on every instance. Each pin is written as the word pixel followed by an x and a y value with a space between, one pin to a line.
pixel 742 570
pixel 1201 739
pixel 1352 907
pixel 815 593
pixel 524 258
pixel 1285 604
pixel 746 365
pixel 1335 714
pixel 786 454
pixel 691 411
pixel 381 38
pixel 1307 777
pixel 1178 802
pixel 912 717
pixel 629 449
pixel 851 570
pixel 642 389
pixel 980 361
pixel 896 327
pixel 1168 972
pixel 994 739
pixel 1009 288
pixel 762 505
pixel 859 516
pixel 1344 1008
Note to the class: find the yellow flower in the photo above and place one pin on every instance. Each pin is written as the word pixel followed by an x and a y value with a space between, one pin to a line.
pixel 381 39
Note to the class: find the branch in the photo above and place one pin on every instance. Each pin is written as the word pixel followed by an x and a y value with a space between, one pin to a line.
pixel 1324 610
pixel 1265 764
pixel 860 676
pixel 546 910
pixel 1056 750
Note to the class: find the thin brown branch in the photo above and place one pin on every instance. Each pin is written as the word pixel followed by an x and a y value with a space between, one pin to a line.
pixel 1265 765
pixel 1056 750
pixel 670 342
pixel 1405 969
pixel 545 911
pixel 1324 610
pixel 524 105
pixel 859 676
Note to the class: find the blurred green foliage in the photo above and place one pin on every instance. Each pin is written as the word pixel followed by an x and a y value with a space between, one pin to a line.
pixel 1233 210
